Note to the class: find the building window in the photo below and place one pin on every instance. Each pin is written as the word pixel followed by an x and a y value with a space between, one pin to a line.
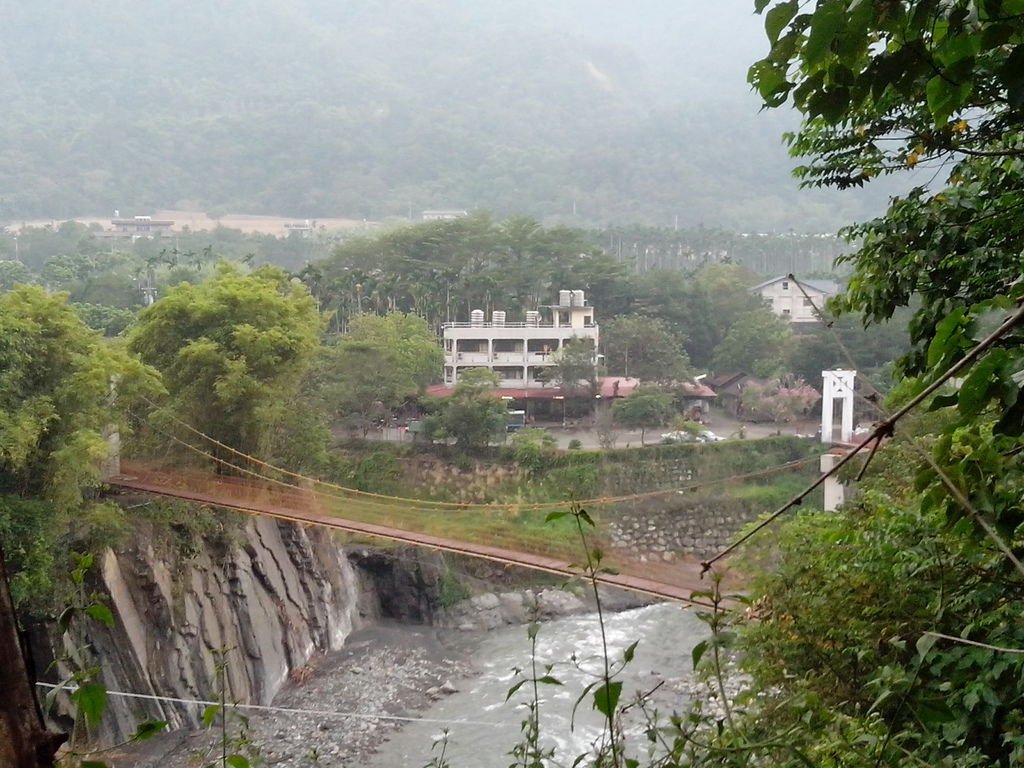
pixel 785 311
pixel 588 321
pixel 785 285
pixel 808 302
pixel 563 319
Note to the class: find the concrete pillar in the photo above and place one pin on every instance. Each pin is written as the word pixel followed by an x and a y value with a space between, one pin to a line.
pixel 111 466
pixel 837 385
pixel 826 408
pixel 835 491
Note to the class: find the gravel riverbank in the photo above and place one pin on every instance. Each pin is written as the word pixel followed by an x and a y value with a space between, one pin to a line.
pixel 385 675
pixel 336 710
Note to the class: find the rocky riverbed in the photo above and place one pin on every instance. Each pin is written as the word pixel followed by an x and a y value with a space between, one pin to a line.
pixel 333 712
pixel 339 708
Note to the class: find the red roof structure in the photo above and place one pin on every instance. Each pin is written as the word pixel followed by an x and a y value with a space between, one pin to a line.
pixel 608 387
pixel 516 393
pixel 617 386
pixel 697 391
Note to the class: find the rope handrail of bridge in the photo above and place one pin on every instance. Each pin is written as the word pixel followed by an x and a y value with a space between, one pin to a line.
pixel 432 504
pixel 519 552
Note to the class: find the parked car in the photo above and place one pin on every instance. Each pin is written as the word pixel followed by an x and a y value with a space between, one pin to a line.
pixel 682 436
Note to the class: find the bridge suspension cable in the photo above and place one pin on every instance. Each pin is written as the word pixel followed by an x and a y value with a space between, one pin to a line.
pixel 347 493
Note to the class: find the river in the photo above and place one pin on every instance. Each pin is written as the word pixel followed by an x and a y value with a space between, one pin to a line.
pixel 666 635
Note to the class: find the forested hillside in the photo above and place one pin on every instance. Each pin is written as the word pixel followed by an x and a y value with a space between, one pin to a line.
pixel 383 108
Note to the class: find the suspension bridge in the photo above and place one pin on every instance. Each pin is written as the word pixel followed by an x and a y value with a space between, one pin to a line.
pixel 542 536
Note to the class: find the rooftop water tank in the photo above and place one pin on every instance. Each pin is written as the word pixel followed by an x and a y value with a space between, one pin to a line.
pixel 498 318
pixel 564 298
pixel 532 319
pixel 476 318
pixel 578 300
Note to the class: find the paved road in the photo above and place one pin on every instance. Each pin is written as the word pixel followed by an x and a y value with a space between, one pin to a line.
pixel 719 422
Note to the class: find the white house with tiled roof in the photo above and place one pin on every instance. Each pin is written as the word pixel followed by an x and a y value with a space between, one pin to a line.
pixel 795 300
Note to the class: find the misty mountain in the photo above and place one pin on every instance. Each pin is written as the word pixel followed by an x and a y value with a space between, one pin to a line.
pixel 375 108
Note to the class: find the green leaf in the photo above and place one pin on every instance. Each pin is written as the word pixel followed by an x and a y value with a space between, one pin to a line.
pixel 946 93
pixel 770 81
pixel 533 629
pixel 101 613
pixel 237 761
pixel 549 680
pixel 778 17
pixel 579 700
pixel 210 714
pixel 91 700
pixel 933 713
pixel 827 22
pixel 830 103
pixel 627 655
pixel 698 652
pixel 552 516
pixel 924 644
pixel 1011 74
pixel 606 698
pixel 93 764
pixel 513 689
pixel 66 616
pixel 974 391
pixel 943 401
pixel 946 334
pixel 147 729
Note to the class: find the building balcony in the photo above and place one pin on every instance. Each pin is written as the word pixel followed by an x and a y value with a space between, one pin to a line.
pixel 468 358
pixel 489 324
pixel 516 331
pixel 509 357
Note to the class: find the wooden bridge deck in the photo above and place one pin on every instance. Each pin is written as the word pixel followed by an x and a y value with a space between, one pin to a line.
pixel 674 581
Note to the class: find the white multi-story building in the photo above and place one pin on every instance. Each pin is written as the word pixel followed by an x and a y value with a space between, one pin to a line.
pixel 518 351
pixel 795 300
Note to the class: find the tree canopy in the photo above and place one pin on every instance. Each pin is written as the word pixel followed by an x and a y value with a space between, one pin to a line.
pixel 644 409
pixel 61 391
pixel 575 367
pixel 232 351
pixel 757 342
pixel 643 348
pixel 916 667
pixel 472 415
pixel 381 362
pixel 914 84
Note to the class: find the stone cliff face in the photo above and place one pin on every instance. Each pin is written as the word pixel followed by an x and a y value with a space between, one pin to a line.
pixel 262 604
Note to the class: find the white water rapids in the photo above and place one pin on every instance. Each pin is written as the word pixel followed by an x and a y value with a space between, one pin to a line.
pixel 666 635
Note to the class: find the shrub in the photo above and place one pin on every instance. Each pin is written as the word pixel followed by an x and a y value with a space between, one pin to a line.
pixel 532 448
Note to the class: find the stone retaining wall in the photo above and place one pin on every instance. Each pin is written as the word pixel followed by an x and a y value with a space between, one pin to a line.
pixel 660 529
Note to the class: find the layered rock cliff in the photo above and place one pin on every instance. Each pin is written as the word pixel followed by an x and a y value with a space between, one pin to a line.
pixel 248 612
